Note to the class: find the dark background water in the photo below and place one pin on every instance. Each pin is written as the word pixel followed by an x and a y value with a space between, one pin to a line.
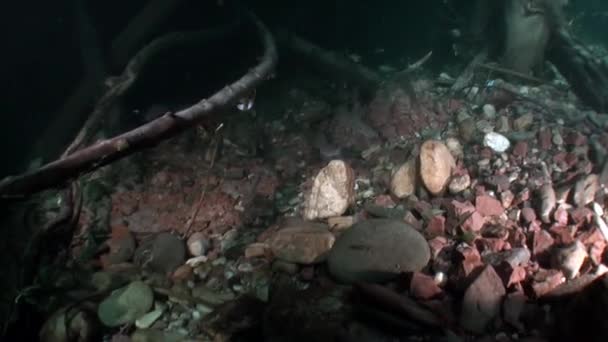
pixel 40 64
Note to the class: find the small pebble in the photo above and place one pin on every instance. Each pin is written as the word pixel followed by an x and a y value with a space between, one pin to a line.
pixel 496 141
pixel 489 111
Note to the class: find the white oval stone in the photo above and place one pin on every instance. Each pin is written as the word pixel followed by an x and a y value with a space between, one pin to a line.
pixel 497 142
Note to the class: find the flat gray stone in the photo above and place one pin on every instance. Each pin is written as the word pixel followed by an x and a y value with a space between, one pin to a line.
pixel 377 250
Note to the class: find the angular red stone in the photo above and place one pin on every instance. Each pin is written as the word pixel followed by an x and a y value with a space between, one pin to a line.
pixel 436 226
pixel 575 138
pixel 437 244
pixel 493 245
pixel 511 275
pixel 528 214
pixel 545 139
pixel 385 201
pixel 423 286
pixel 521 149
pixel 546 280
pixel 561 215
pixel 581 215
pixel 541 243
pixel 470 260
pixel 563 234
pixel 488 206
pixel 482 301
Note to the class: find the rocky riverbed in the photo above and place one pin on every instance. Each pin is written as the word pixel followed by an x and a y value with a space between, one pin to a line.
pixel 408 218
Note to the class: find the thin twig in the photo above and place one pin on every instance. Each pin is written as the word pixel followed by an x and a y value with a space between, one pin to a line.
pixel 148 135
pixel 214 148
pixel 510 72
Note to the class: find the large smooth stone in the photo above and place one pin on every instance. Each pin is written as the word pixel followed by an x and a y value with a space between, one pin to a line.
pixel 377 250
pixel 126 305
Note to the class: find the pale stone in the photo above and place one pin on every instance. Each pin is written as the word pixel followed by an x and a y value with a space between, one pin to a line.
pixel 403 182
pixel 436 165
pixel 333 191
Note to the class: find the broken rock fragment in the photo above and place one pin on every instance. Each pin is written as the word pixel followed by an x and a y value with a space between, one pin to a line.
pixel 585 190
pixel 545 281
pixel 488 206
pixel 333 191
pixel 423 286
pixel 548 201
pixel 569 259
pixel 482 301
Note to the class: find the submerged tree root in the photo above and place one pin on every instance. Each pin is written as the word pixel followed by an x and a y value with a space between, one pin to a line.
pixel 106 151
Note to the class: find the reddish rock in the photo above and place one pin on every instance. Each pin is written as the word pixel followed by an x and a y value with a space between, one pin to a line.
pixel 474 223
pixel 563 234
pixel 546 280
pixel 511 275
pixel 385 201
pixel 482 301
pixel 480 190
pixel 454 105
pixel 411 219
pixel 571 159
pixel 161 179
pixel 488 206
pixel 423 286
pixel 506 198
pixel 436 226
pixel 585 190
pixel 596 252
pixel 545 138
pixel 520 149
pixel 521 196
pixel 500 182
pixel 437 244
pixel 486 153
pixel 569 259
pixel 575 138
pixel 495 231
pixel 493 245
pixel 528 215
pixel 559 159
pixel 541 243
pixel 459 210
pixel 591 236
pixel 121 244
pixel 423 207
pixel 469 259
pixel 561 215
pixel 581 215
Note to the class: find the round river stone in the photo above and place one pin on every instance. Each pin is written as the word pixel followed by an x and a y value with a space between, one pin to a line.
pixel 377 250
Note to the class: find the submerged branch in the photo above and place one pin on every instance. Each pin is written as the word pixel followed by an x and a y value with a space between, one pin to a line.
pixel 147 135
